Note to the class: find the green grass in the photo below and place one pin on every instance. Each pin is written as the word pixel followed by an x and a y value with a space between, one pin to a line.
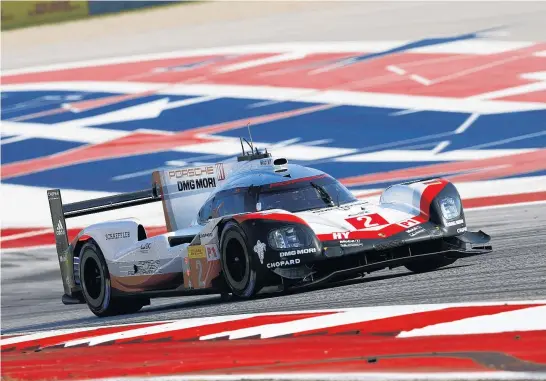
pixel 104 15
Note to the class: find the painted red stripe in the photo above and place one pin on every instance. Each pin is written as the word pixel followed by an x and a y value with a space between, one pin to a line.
pixel 532 96
pixel 535 159
pixel 288 354
pixel 423 363
pixel 209 329
pixel 40 114
pixel 136 71
pixel 394 325
pixel 49 238
pixel 13 231
pixel 470 203
pixel 476 202
pixel 54 340
pixel 4 337
pixel 37 240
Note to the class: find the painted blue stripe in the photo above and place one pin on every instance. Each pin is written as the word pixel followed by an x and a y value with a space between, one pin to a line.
pixel 205 114
pixel 426 42
pixel 18 104
pixel 356 127
pixel 33 148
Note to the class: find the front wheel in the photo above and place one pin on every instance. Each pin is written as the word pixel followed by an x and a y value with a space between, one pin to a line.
pixel 238 266
pixel 430 264
pixel 96 288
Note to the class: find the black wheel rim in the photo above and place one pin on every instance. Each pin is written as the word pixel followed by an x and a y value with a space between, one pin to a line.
pixel 92 279
pixel 236 263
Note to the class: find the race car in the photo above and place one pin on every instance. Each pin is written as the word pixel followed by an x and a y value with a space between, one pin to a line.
pixel 253 224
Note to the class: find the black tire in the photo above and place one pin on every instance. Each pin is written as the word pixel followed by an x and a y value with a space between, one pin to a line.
pixel 238 266
pixel 95 283
pixel 429 264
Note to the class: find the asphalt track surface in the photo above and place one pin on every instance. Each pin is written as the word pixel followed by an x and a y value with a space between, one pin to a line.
pixel 516 270
pixel 192 26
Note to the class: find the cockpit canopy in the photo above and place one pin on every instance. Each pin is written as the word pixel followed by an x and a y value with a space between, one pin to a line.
pixel 294 195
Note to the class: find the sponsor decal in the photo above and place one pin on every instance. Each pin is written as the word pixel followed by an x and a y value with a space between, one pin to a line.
pixel 350 243
pixel 367 221
pixel 53 195
pixel 205 235
pixel 212 252
pixel 220 172
pixel 145 267
pixel 118 235
pixel 408 223
pixel 145 247
pixel 298 252
pixel 462 230
pixel 207 182
pixel 283 263
pixel 192 172
pixel 415 231
pixel 454 223
pixel 344 235
pixel 381 235
pixel 259 249
pixel 265 162
pixel 59 230
pixel 196 252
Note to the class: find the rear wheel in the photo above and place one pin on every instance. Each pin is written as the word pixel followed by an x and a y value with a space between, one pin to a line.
pixel 95 283
pixel 238 266
pixel 430 264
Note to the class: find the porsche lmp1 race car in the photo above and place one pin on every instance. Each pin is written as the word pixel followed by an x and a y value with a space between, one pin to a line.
pixel 254 223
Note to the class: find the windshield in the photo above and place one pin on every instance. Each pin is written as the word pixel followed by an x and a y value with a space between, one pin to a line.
pixel 304 194
pixel 293 195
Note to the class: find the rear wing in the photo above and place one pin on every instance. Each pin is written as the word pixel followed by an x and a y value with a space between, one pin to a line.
pixel 60 212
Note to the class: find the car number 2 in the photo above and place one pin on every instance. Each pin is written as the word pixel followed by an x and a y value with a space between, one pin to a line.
pixel 367 221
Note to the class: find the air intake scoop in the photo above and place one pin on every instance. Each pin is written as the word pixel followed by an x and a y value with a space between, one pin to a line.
pixel 280 165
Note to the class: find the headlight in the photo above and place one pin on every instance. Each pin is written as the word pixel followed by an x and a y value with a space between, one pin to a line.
pixel 451 207
pixel 289 237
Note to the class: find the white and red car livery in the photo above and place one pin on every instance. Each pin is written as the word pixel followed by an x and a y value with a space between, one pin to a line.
pixel 252 224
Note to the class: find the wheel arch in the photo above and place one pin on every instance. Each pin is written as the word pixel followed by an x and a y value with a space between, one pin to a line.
pixel 110 236
pixel 97 233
